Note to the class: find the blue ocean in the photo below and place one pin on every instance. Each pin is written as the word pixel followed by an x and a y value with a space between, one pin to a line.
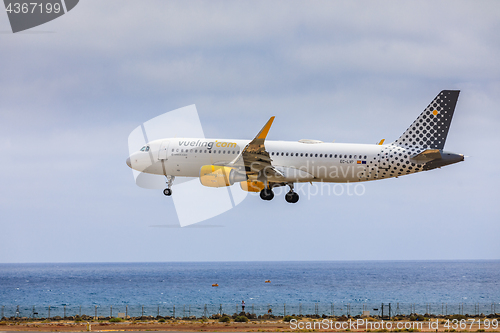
pixel 163 288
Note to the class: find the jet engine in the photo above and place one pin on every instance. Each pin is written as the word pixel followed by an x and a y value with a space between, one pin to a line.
pixel 252 186
pixel 219 176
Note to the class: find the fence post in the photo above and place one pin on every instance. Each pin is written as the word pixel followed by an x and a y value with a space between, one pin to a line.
pixel 142 313
pixel 126 311
pixel 3 312
pixel 189 309
pixel 80 313
pixel 158 311
pixel 284 309
pixel 300 309
pixel 111 311
pixel 174 311
pixel 220 310
pixel 65 311
pixel 95 311
pixel 253 309
pixel 333 309
pixel 49 312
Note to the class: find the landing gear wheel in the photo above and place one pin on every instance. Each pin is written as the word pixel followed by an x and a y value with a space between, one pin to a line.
pixel 291 197
pixel 169 180
pixel 266 194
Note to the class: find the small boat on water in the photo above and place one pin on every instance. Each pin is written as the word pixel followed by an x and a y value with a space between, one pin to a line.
pixel 215 285
pixel 268 281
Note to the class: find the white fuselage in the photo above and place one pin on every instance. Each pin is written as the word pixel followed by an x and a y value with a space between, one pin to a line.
pixel 327 162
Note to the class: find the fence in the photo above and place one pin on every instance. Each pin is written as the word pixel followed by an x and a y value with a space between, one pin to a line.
pixel 207 310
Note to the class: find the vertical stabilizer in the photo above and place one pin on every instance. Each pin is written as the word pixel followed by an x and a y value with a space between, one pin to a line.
pixel 431 127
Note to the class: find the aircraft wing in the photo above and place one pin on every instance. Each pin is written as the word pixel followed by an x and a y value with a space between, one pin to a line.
pixel 254 158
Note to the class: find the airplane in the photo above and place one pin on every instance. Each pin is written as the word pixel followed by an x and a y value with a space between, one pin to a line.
pixel 260 165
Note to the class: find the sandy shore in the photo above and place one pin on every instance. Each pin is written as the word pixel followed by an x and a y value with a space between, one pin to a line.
pixel 302 325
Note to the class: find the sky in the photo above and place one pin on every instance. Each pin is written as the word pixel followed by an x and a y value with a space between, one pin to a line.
pixel 73 89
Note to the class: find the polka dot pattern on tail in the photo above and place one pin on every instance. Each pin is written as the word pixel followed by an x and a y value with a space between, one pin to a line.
pixel 430 129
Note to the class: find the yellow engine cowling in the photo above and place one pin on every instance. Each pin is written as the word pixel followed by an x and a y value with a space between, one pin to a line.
pixel 252 186
pixel 219 176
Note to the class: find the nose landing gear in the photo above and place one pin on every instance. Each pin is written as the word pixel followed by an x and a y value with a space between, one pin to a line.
pixel 169 181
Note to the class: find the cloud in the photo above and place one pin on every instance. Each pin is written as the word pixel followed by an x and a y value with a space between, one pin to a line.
pixel 343 70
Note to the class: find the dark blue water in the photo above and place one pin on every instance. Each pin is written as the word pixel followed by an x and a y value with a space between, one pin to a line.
pixel 166 284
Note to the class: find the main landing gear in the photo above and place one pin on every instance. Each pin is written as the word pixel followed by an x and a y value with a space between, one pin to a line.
pixel 290 197
pixel 267 194
pixel 169 181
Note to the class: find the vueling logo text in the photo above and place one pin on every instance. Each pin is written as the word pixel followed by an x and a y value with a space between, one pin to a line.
pixel 208 144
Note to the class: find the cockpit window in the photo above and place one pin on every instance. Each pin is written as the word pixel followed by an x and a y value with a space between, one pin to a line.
pixel 145 148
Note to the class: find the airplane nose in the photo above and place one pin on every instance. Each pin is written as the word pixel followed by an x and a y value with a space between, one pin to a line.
pixel 128 162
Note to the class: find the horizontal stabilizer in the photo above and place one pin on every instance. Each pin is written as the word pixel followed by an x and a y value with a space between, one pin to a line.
pixel 427 155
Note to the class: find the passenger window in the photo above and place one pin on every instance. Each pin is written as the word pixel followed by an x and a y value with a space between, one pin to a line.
pixel 350 156
pixel 282 154
pixel 296 154
pixel 196 151
pixel 286 154
pixel 316 155
pixel 223 151
pixel 365 157
pixel 330 155
pixel 301 154
pixel 173 150
pixel 306 154
pixel 345 156
pixel 335 156
pixel 272 153
pixel 177 150
pixel 320 155
pixel 234 152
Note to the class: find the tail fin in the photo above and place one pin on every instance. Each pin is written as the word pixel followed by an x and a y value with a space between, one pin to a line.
pixel 431 127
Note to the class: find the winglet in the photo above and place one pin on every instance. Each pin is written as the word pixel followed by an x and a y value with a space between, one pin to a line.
pixel 263 132
pixel 381 142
